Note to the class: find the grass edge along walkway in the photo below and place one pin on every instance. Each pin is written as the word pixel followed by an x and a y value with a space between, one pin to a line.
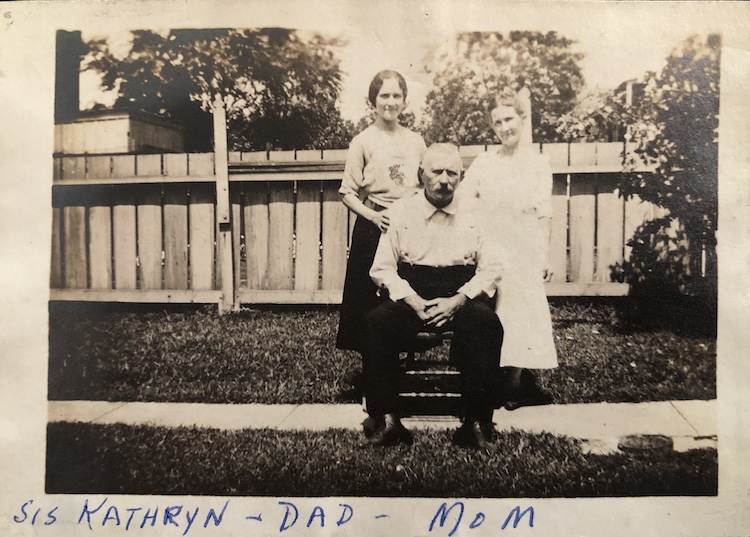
pixel 691 424
pixel 85 458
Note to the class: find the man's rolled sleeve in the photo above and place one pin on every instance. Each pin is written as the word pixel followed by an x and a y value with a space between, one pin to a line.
pixel 384 271
pixel 489 268
pixel 471 289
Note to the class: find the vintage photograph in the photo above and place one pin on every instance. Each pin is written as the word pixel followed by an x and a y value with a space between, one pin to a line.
pixel 473 264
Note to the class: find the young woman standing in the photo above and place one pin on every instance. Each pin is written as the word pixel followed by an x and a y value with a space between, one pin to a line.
pixel 381 167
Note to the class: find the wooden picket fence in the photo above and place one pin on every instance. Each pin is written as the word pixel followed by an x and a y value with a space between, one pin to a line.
pixel 269 227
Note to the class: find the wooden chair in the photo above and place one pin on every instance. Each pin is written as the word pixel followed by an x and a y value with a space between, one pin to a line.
pixel 431 384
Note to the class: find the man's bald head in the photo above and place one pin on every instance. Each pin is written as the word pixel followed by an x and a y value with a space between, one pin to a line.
pixel 440 172
pixel 445 150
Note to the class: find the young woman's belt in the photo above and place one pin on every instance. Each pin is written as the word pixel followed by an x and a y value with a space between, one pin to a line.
pixel 375 206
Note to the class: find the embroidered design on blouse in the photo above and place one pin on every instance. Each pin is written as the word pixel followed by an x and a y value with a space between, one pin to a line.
pixel 397 175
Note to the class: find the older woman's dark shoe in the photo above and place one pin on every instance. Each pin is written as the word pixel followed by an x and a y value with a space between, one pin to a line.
pixel 528 393
pixel 476 435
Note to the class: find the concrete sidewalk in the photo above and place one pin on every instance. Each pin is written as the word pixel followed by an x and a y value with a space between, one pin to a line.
pixel 691 424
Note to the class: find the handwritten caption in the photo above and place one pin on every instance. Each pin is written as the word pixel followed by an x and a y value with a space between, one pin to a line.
pixel 447 519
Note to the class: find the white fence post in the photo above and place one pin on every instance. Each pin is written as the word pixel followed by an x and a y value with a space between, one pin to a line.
pixel 223 220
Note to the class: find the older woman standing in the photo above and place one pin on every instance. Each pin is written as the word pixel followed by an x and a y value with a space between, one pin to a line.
pixel 514 184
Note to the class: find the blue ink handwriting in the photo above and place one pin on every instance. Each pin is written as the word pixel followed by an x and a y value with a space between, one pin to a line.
pixel 170 516
pixel 443 512
pixel 291 514
pixel 48 519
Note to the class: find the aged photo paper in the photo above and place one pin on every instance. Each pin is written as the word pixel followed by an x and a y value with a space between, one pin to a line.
pixel 389 34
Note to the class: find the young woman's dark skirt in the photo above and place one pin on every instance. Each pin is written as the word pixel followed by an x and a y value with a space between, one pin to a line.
pixel 360 292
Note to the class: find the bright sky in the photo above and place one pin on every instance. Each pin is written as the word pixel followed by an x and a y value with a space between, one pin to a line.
pixel 618 42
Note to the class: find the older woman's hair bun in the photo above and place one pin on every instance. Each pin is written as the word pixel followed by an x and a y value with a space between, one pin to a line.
pixel 507 96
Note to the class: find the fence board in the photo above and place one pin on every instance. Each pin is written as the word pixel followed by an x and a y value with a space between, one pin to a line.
pixel 176 164
pixel 557 154
pixel 100 240
pixel 74 167
pixel 175 237
pixel 59 138
pixel 202 218
pixel 335 155
pixel 201 164
pixel 99 167
pixel 123 166
pixel 281 156
pixel 289 296
pixel 137 296
pixel 149 236
pixel 124 233
pixel 309 155
pixel 148 165
pixel 582 154
pixel 76 133
pixel 609 153
pixel 56 272
pixel 306 264
pixel 335 227
pixel 254 156
pixel 75 246
pixel 237 231
pixel 280 241
pixel 470 151
pixel 256 234
pixel 609 227
pixel 582 221
pixel 57 171
pixel 558 248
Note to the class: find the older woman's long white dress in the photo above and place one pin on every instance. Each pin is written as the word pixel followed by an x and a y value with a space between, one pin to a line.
pixel 515 192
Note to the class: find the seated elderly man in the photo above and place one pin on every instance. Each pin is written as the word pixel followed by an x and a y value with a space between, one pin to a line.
pixel 440 273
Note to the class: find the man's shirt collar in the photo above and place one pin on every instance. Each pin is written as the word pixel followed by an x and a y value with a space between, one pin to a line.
pixel 430 209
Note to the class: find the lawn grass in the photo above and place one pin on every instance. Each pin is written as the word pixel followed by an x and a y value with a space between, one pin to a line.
pixel 286 355
pixel 122 459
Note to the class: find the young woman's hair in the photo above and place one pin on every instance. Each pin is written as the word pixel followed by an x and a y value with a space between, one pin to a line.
pixel 507 97
pixel 377 83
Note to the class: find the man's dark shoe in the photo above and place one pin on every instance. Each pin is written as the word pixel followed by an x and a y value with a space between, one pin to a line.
pixel 370 425
pixel 389 433
pixel 488 430
pixel 472 435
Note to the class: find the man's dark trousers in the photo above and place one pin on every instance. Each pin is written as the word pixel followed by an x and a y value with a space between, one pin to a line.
pixel 392 327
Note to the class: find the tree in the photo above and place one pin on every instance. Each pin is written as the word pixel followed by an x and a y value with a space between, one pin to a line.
pixel 481 63
pixel 277 87
pixel 596 117
pixel 405 118
pixel 674 128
